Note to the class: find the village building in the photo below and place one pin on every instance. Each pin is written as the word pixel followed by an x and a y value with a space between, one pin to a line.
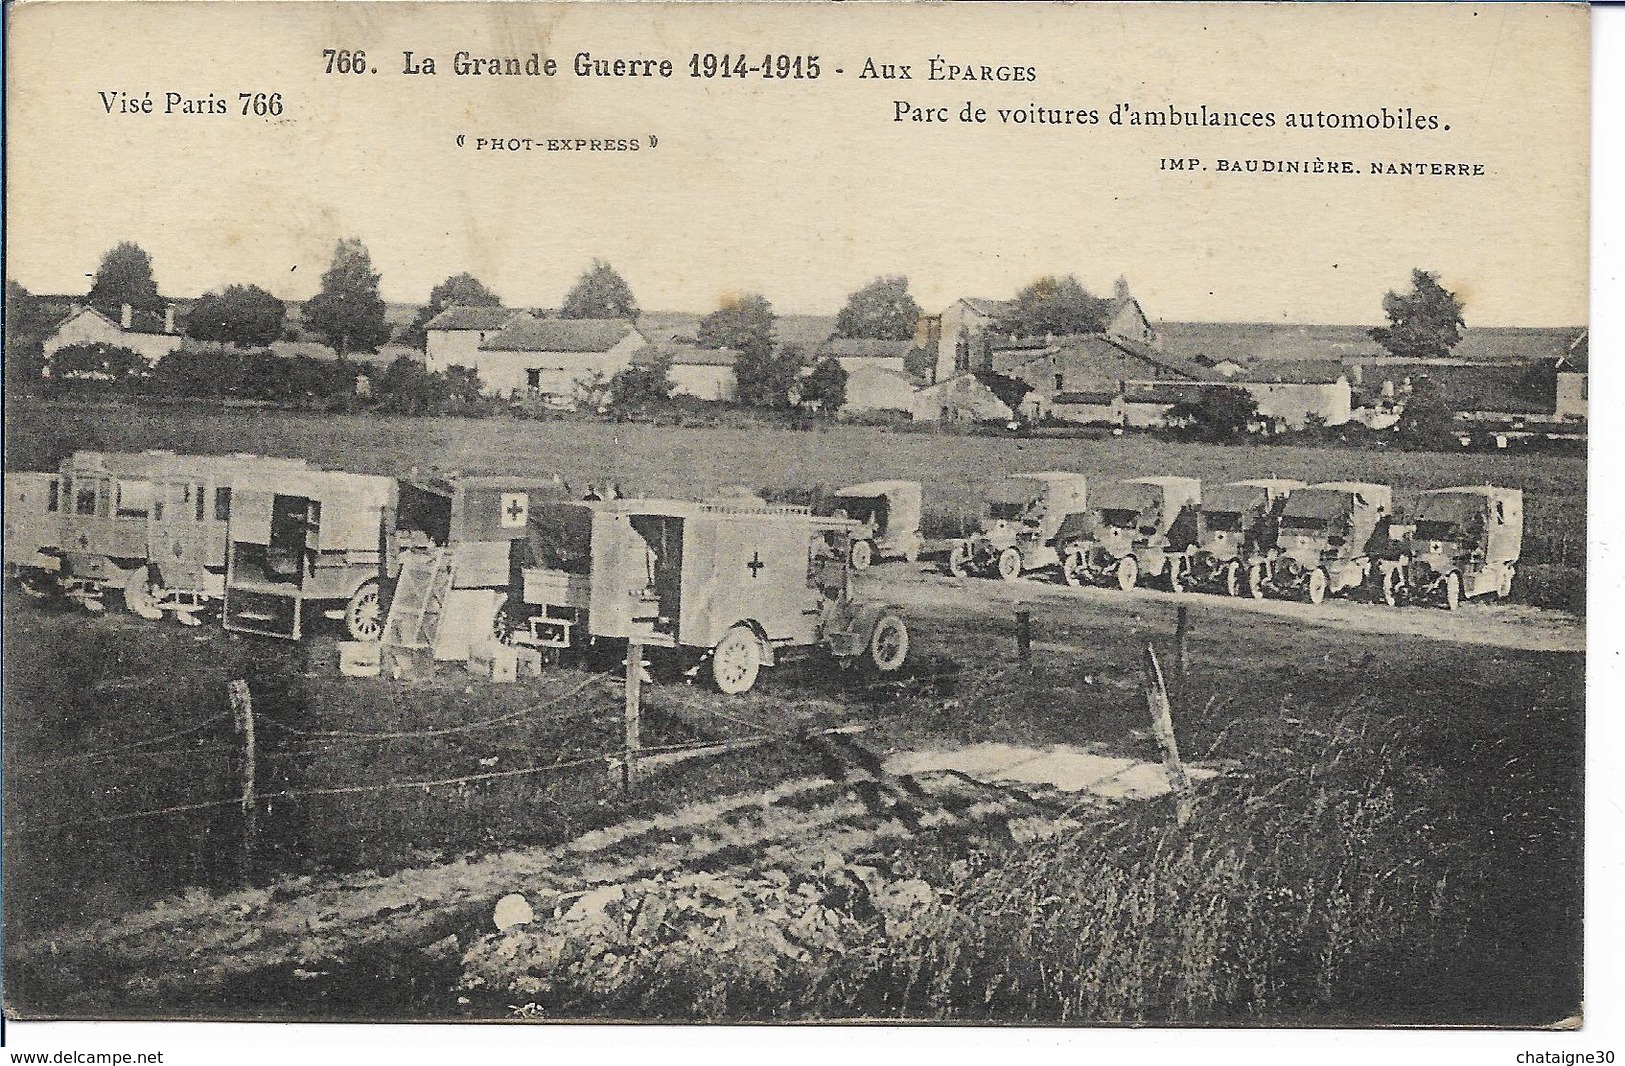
pixel 874 388
pixel 151 336
pixel 453 337
pixel 703 373
pixel 961 330
pixel 547 358
pixel 863 353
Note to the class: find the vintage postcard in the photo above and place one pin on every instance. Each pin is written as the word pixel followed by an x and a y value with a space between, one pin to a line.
pixel 1023 514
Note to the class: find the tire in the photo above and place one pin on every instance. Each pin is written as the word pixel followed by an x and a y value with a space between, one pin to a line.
pixel 1128 573
pixel 1392 582
pixel 1232 579
pixel 1452 591
pixel 1009 564
pixel 506 624
pixel 861 554
pixel 958 564
pixel 888 644
pixel 139 598
pixel 1074 567
pixel 1255 581
pixel 364 614
pixel 1503 588
pixel 736 660
pixel 1315 588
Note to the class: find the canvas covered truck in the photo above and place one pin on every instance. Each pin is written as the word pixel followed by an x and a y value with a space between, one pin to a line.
pixel 187 525
pixel 888 513
pixel 33 530
pixel 106 506
pixel 1236 536
pixel 311 538
pixel 1332 537
pixel 727 587
pixel 1460 543
pixel 1019 529
pixel 1133 530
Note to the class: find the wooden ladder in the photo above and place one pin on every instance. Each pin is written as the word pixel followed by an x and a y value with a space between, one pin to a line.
pixel 420 601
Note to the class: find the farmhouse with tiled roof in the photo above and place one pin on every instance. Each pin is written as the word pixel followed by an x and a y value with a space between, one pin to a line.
pixel 151 336
pixel 546 357
pixel 453 337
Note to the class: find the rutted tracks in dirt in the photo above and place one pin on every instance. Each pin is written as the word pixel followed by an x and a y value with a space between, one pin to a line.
pixel 1511 626
pixel 190 948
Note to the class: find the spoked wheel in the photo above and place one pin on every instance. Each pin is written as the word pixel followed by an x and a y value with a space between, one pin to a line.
pixel 1452 591
pixel 1074 567
pixel 888 644
pixel 1391 583
pixel 1128 573
pixel 141 596
pixel 861 554
pixel 736 661
pixel 959 559
pixel 364 614
pixel 1232 579
pixel 1255 581
pixel 1315 589
pixel 1009 564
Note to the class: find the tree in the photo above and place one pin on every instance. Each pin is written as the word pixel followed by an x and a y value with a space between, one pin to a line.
pixel 745 324
pixel 644 381
pixel 825 386
pixel 599 293
pixel 244 315
pixel 1219 412
pixel 125 277
pixel 459 290
pixel 920 363
pixel 1428 421
pixel 27 324
pixel 101 361
pixel 348 311
pixel 1424 323
pixel 882 309
pixel 1053 305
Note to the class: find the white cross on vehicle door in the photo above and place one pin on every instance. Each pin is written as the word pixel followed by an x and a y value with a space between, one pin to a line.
pixel 515 509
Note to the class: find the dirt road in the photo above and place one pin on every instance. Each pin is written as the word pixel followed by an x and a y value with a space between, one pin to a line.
pixel 1501 625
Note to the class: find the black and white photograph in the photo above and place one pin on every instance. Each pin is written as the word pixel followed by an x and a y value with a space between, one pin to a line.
pixel 1030 515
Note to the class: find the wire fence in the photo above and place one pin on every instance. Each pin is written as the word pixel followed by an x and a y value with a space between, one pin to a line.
pixel 277 761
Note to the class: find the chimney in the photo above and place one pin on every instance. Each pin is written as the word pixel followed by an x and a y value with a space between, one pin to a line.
pixel 169 319
pixel 124 316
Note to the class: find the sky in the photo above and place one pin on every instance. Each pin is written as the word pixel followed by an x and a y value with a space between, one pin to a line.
pixel 804 190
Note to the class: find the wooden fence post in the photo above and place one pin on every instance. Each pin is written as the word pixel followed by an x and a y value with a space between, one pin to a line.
pixel 634 696
pixel 1024 636
pixel 1162 724
pixel 1182 660
pixel 242 709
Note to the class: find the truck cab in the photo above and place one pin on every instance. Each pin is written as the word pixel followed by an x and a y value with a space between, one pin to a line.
pixel 1019 529
pixel 1237 535
pixel 1461 543
pixel 1331 538
pixel 1134 529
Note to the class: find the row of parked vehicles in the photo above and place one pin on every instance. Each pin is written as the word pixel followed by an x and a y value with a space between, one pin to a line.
pixel 444 563
pixel 1262 537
